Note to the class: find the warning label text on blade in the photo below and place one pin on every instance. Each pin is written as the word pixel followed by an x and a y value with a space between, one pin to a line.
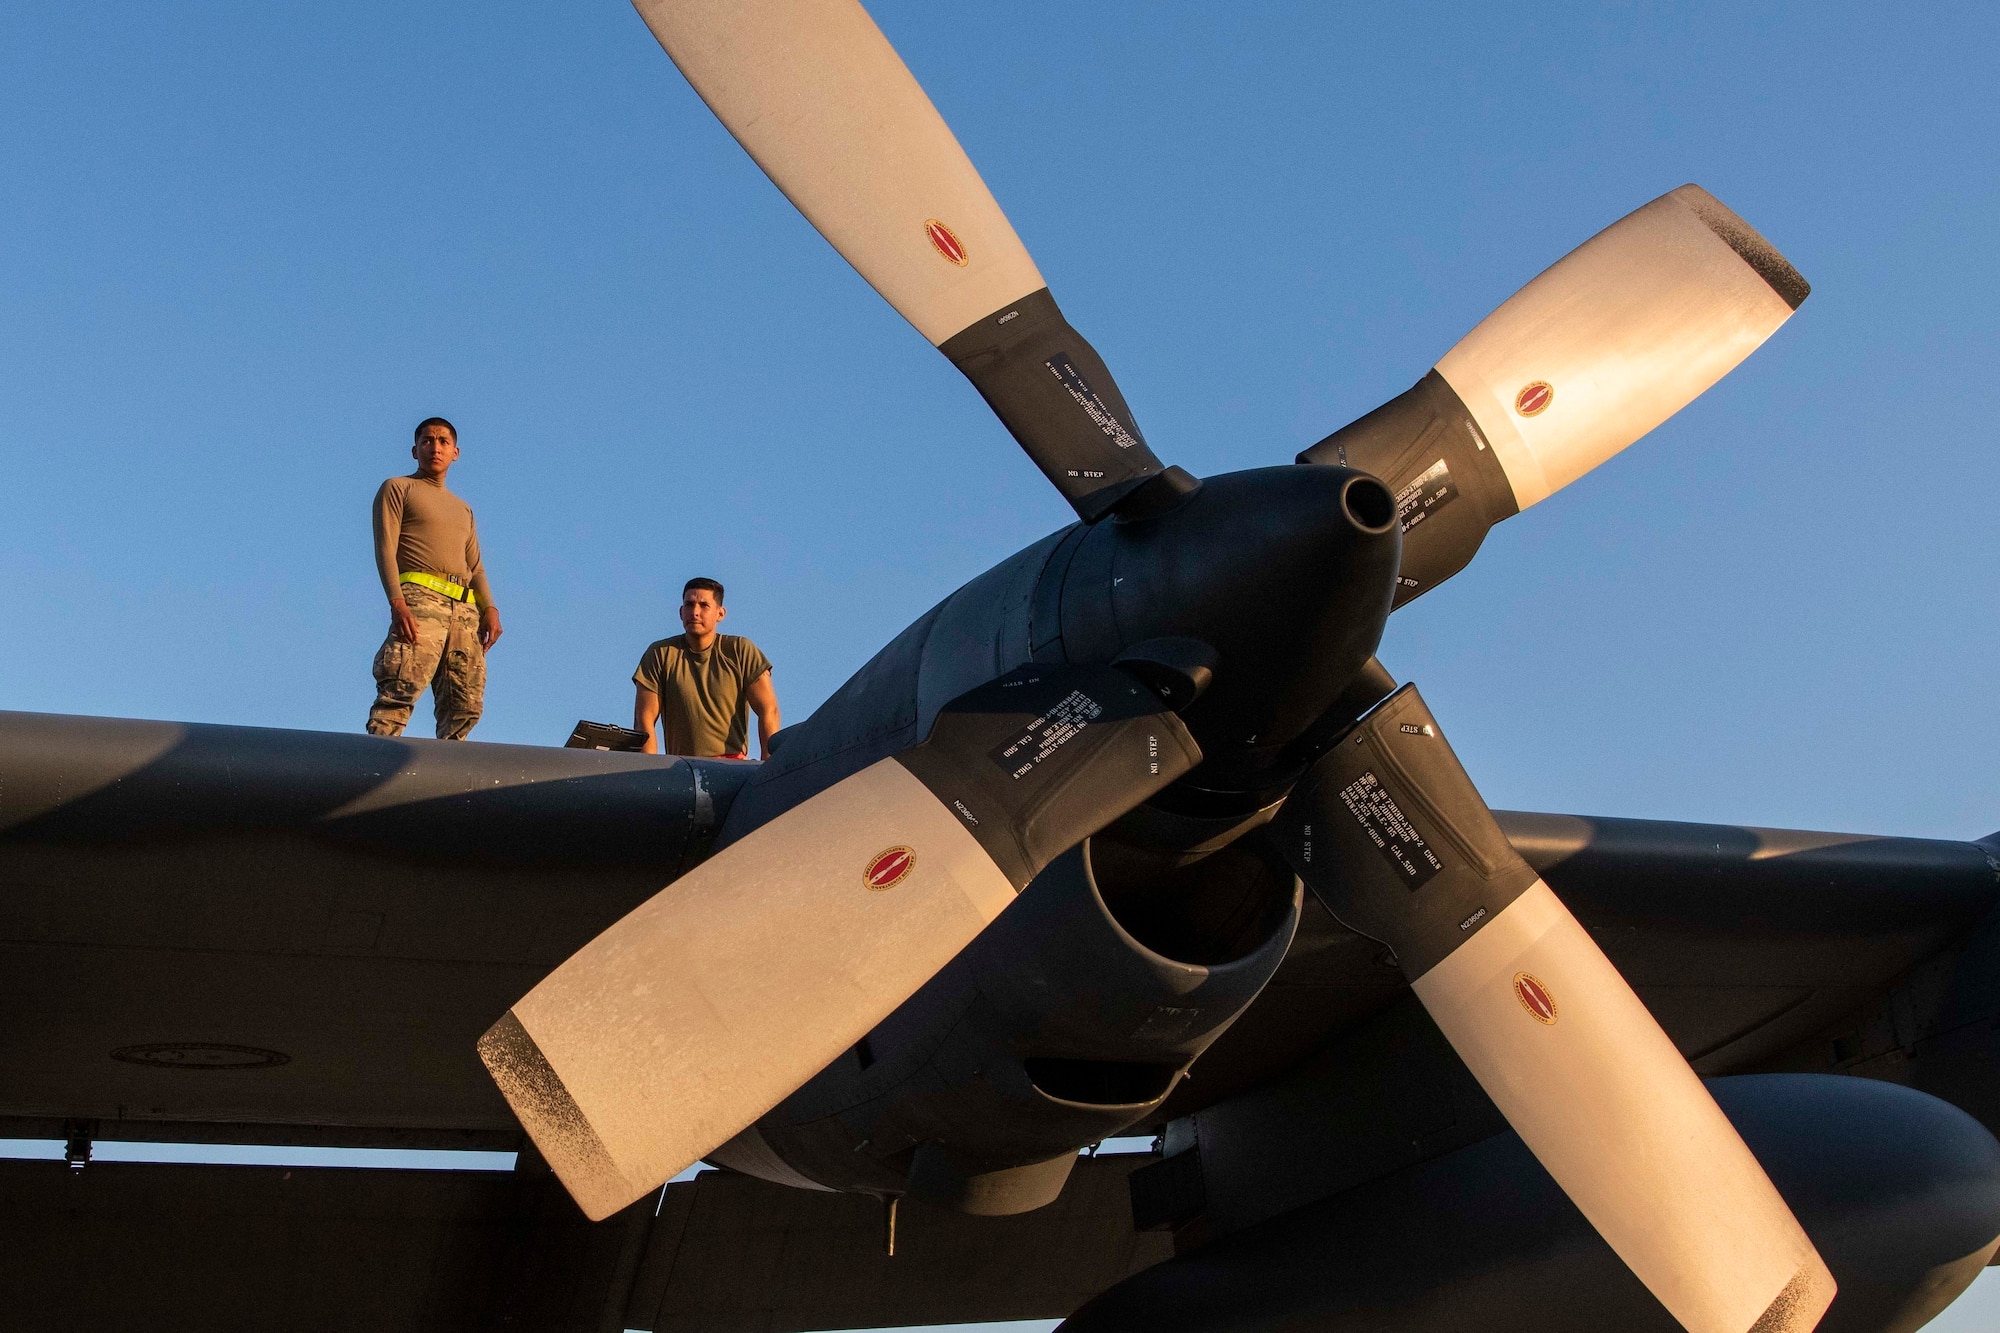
pixel 1048 733
pixel 1430 492
pixel 1391 831
pixel 1099 412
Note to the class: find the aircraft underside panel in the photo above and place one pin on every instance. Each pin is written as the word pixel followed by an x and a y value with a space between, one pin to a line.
pixel 1899 1191
pixel 217 1249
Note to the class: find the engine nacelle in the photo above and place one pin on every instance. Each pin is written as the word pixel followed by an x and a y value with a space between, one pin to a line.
pixel 1898 1190
pixel 1071 1018
pixel 1074 1015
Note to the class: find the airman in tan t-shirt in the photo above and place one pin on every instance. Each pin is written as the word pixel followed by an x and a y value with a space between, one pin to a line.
pixel 442 620
pixel 697 685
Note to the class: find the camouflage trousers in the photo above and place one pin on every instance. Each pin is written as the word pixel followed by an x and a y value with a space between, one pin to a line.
pixel 446 657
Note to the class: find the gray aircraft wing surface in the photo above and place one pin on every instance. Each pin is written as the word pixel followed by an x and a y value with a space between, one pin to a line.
pixel 243 935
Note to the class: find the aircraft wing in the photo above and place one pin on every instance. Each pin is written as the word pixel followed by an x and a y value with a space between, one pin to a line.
pixel 285 928
pixel 260 936
pixel 1746 943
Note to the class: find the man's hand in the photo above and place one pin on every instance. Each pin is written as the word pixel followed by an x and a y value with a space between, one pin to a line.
pixel 489 627
pixel 402 623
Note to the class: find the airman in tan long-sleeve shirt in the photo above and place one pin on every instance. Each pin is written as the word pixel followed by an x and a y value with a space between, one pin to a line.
pixel 442 619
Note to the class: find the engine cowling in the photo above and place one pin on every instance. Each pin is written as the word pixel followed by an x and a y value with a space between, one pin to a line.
pixel 1069 1020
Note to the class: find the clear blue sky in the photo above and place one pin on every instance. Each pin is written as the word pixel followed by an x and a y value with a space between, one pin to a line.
pixel 244 247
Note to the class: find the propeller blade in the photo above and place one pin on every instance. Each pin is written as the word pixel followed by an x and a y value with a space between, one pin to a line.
pixel 1608 342
pixel 1391 834
pixel 708 1004
pixel 815 93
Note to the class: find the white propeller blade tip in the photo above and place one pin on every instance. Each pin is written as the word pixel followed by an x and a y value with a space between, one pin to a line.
pixel 553 1120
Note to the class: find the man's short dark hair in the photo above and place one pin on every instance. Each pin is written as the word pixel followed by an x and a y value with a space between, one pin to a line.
pixel 428 422
pixel 709 584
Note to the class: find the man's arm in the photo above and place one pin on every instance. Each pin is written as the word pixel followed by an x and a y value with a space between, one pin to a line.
pixel 388 533
pixel 489 626
pixel 646 712
pixel 475 571
pixel 763 700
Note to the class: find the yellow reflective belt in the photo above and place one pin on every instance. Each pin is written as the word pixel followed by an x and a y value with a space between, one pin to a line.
pixel 436 584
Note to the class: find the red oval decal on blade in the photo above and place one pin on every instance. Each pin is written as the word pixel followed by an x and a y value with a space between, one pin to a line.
pixel 1535 998
pixel 945 241
pixel 1534 398
pixel 891 867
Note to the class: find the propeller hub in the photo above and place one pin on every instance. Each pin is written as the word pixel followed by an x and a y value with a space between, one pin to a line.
pixel 1286 572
